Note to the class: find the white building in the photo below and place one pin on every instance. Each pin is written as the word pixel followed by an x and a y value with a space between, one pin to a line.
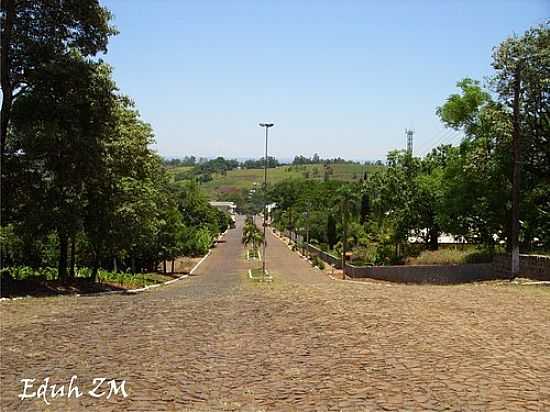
pixel 228 207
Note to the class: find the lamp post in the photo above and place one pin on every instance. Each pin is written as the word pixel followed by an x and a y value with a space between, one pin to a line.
pixel 267 126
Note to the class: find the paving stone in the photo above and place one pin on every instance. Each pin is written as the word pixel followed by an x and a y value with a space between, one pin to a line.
pixel 218 342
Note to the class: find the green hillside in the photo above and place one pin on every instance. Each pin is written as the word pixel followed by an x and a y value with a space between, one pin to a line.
pixel 237 179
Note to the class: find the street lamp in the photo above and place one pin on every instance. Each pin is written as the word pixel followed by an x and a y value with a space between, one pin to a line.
pixel 267 126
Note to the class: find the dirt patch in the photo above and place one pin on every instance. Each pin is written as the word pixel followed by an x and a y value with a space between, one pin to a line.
pixel 181 265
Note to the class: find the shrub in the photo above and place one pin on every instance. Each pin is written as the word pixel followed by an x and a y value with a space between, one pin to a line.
pixel 317 261
pixel 202 240
pixel 451 257
pixel 26 272
pixel 479 256
pixel 385 255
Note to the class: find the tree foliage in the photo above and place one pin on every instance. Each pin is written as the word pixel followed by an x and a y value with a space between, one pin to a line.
pixel 80 184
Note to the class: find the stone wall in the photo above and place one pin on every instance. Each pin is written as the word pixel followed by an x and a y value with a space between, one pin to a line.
pixel 535 267
pixel 436 274
pixel 530 266
pixel 324 256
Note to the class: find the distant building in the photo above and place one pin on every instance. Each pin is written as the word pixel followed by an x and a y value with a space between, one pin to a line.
pixel 228 207
pixel 444 238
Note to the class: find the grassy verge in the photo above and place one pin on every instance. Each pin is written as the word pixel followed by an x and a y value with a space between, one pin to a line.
pixel 252 254
pixel 450 257
pixel 130 281
pixel 257 275
pixel 27 281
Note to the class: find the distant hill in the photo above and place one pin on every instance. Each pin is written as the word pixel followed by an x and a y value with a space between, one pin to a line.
pixel 222 186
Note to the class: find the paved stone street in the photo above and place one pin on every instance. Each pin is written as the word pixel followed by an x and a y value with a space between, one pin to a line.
pixel 217 341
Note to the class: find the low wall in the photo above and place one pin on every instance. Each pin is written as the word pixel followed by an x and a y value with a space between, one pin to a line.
pixel 324 256
pixel 314 251
pixel 535 267
pixel 436 274
pixel 530 266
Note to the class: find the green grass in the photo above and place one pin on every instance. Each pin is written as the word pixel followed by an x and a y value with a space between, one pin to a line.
pixel 449 257
pixel 126 280
pixel 238 179
pixel 129 281
pixel 253 254
pixel 257 275
pixel 26 272
pixel 174 170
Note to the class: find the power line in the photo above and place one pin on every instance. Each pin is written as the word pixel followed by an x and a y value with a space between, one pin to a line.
pixel 448 138
pixel 430 142
pixel 434 142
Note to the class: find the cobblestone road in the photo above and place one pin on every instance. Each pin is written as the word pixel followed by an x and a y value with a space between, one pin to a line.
pixel 217 341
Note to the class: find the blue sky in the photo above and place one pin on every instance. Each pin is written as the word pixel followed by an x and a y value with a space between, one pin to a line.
pixel 340 78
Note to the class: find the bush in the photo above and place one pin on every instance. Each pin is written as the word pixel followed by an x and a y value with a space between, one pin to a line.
pixel 451 257
pixel 182 175
pixel 202 239
pixel 385 255
pixel 479 256
pixel 314 260
pixel 317 261
pixel 26 272
pixel 365 255
pixel 11 245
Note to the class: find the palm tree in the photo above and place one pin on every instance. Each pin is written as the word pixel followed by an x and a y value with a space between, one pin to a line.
pixel 251 234
pixel 346 206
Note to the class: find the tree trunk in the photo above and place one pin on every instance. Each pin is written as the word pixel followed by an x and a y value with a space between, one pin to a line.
pixel 72 260
pixel 433 239
pixel 516 135
pixel 97 260
pixel 164 266
pixel 115 265
pixel 173 265
pixel 8 8
pixel 62 267
pixel 344 242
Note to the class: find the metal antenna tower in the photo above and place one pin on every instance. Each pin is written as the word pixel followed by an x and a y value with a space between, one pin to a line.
pixel 409 133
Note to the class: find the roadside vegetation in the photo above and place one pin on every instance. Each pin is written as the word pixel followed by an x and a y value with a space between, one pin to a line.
pixel 236 185
pixel 252 237
pixel 464 190
pixel 451 256
pixel 82 192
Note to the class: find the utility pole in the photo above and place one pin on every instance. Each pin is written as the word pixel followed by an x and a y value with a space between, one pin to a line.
pixel 267 126
pixel 516 136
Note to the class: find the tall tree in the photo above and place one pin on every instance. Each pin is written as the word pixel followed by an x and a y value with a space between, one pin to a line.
pixel 522 82
pixel 34 34
pixel 58 125
pixel 347 202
